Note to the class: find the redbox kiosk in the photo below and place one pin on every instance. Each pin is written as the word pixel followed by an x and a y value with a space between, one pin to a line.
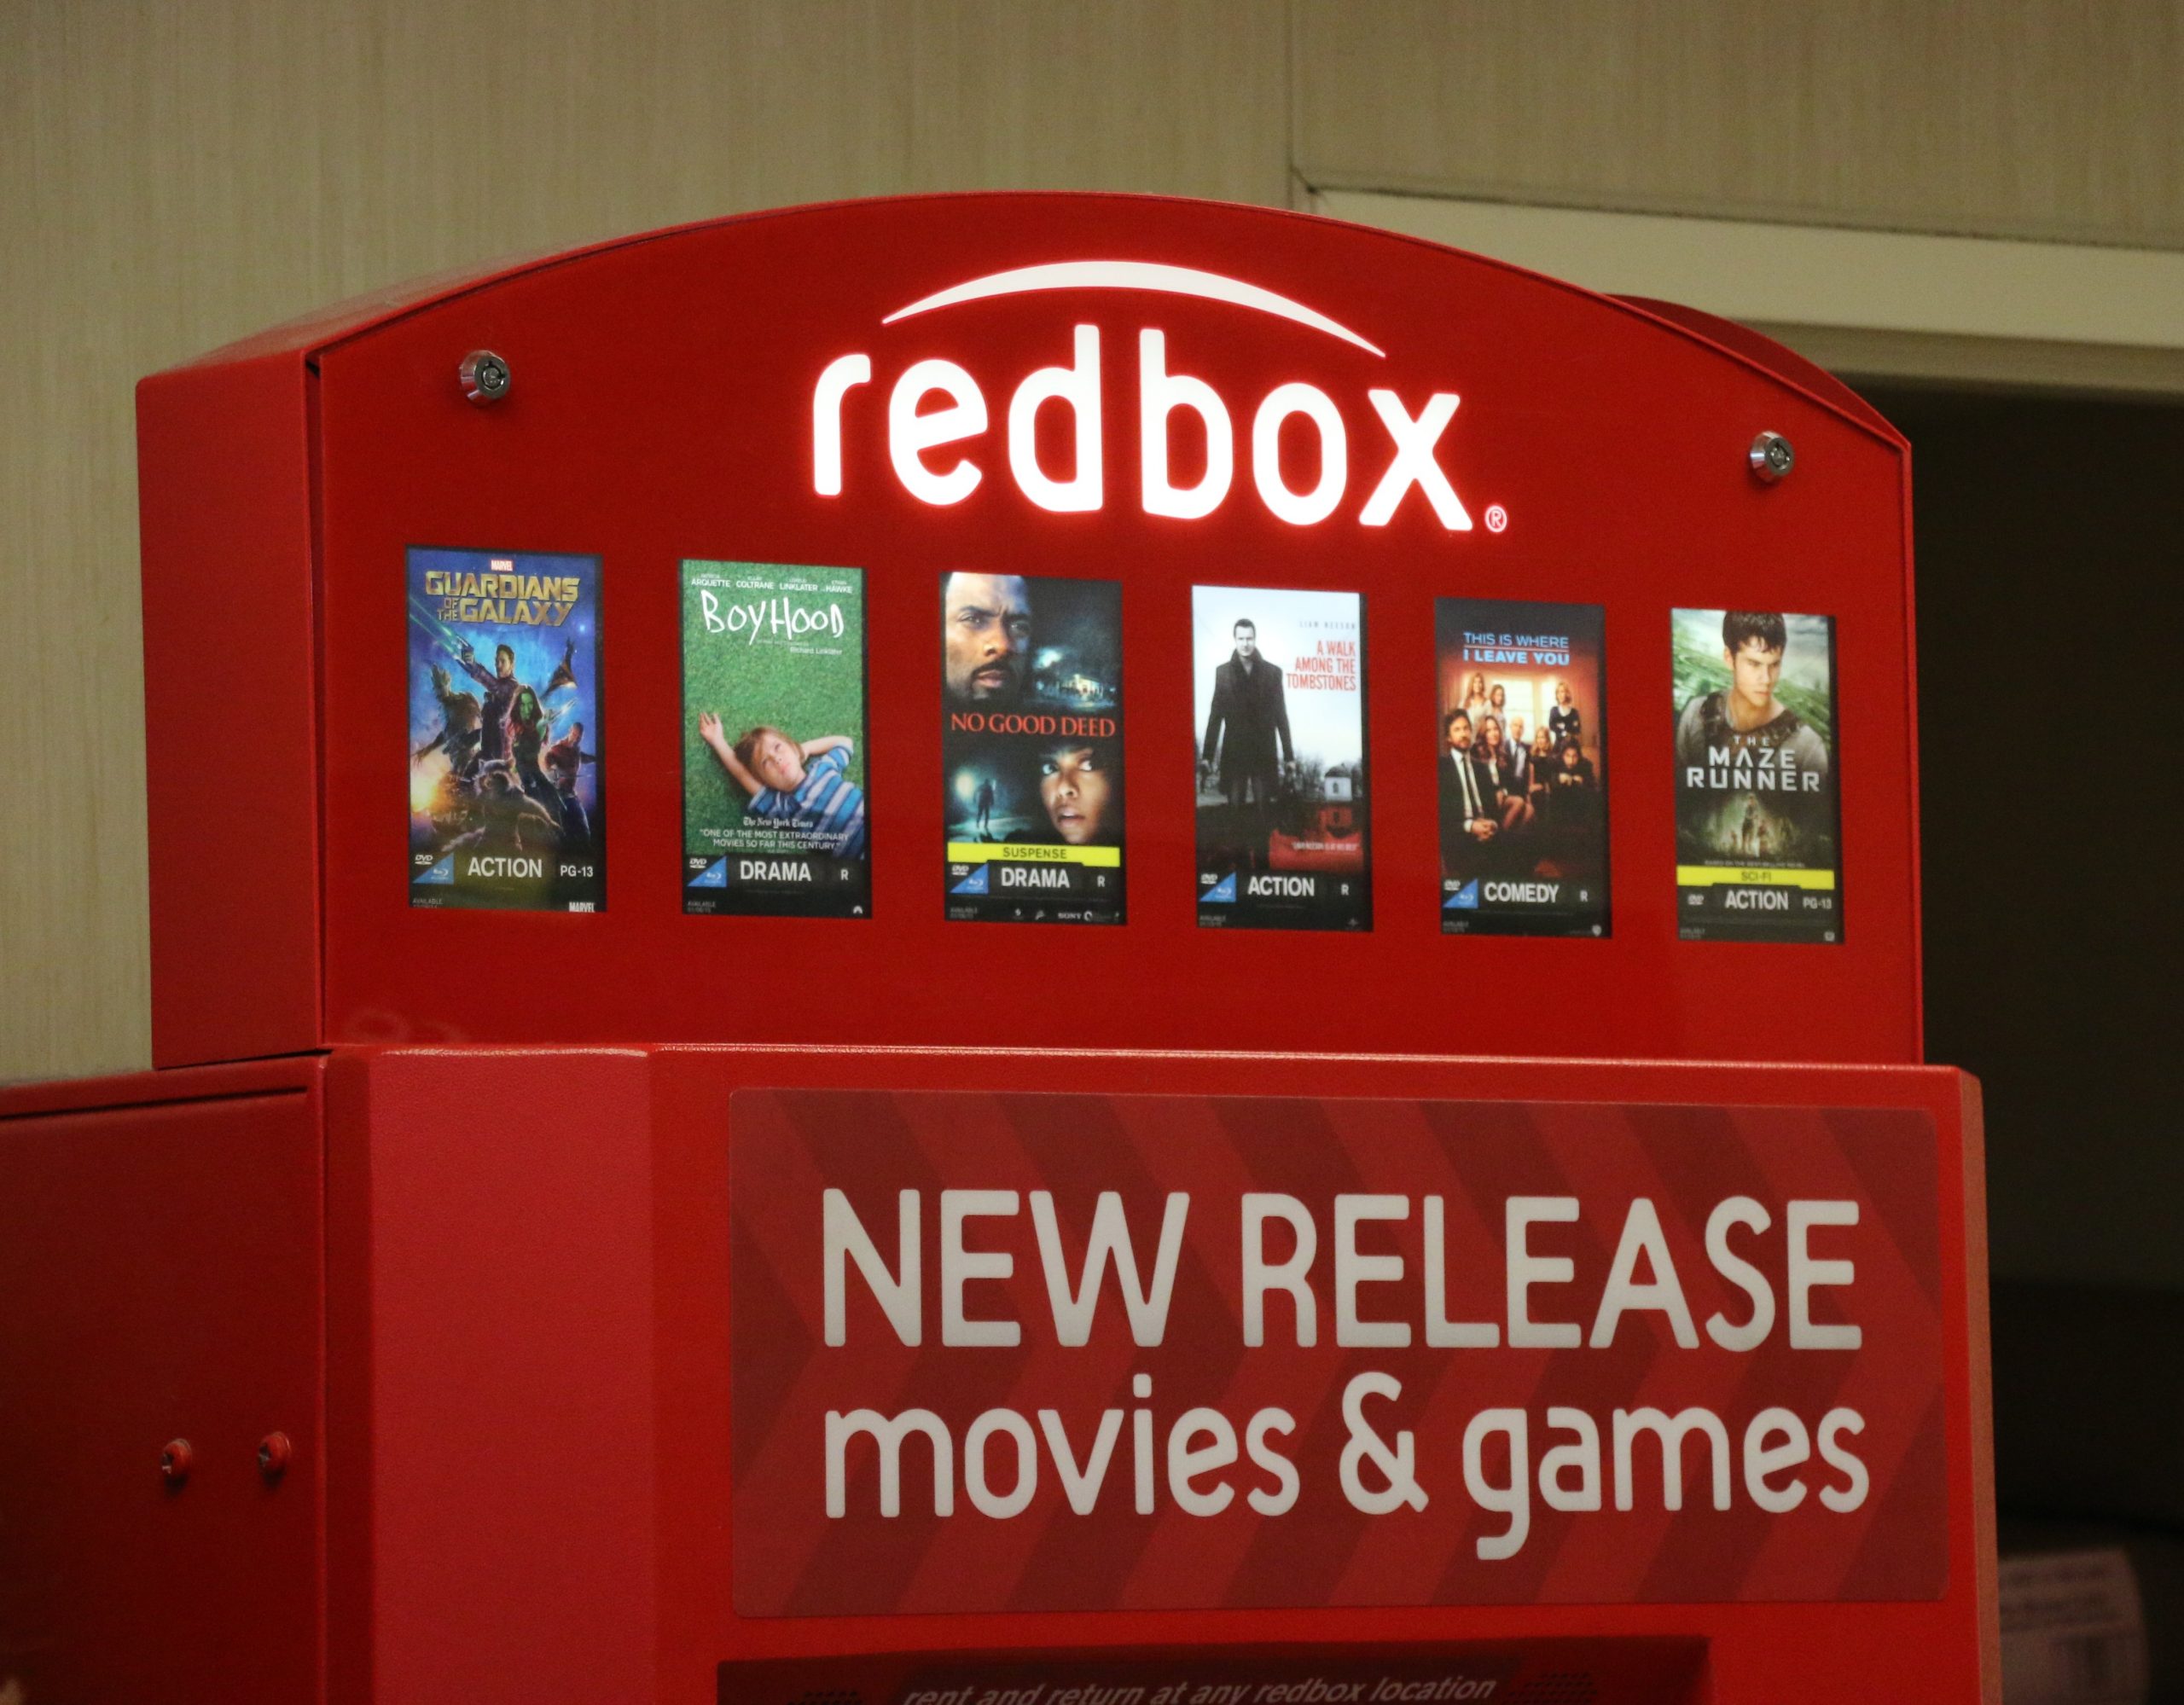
pixel 1147 954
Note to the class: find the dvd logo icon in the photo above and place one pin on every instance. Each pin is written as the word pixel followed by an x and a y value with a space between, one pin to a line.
pixel 934 404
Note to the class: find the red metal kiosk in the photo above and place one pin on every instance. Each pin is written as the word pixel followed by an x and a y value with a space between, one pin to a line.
pixel 645 1237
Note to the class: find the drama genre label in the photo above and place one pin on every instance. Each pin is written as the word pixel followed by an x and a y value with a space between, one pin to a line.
pixel 1063 1352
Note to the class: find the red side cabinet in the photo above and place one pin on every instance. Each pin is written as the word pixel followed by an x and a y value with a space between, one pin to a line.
pixel 162 1257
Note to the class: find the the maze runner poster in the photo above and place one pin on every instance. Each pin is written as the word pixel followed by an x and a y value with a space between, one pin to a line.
pixel 1758 835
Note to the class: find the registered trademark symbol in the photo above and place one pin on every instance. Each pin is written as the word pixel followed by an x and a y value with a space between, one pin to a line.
pixel 1498 518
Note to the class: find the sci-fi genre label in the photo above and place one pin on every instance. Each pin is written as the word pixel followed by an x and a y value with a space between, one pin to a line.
pixel 1283 819
pixel 1523 769
pixel 774 779
pixel 507 777
pixel 1056 1353
pixel 1758 819
pixel 1031 748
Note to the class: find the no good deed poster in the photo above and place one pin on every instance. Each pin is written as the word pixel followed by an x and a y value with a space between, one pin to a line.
pixel 1059 1353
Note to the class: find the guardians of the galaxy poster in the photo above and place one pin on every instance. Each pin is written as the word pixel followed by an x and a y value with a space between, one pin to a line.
pixel 1031 748
pixel 1758 835
pixel 1522 729
pixel 1283 816
pixel 774 775
pixel 507 782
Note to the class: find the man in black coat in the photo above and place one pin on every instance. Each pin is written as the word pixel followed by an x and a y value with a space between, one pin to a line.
pixel 1479 814
pixel 1249 719
pixel 1467 819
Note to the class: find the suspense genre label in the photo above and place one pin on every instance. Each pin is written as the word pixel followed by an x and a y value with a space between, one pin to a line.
pixel 774 780
pixel 1523 769
pixel 1283 818
pixel 508 785
pixel 1757 821
pixel 1031 748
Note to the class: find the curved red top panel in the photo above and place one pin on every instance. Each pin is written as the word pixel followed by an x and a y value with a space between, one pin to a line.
pixel 311 333
pixel 667 404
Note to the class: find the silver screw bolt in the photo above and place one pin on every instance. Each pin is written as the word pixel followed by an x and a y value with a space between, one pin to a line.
pixel 1771 457
pixel 485 377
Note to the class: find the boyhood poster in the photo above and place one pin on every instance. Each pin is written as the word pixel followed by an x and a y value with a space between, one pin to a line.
pixel 1283 823
pixel 1758 834
pixel 508 780
pixel 1271 1352
pixel 1523 769
pixel 773 741
pixel 1031 748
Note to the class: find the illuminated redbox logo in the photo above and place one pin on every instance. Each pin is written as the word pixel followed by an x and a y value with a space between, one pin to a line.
pixel 919 433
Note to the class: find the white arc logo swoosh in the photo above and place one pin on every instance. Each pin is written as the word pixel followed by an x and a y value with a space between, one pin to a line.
pixel 1132 274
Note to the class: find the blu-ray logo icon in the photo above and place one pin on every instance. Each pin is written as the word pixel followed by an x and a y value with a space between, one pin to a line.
pixel 714 875
pixel 1223 893
pixel 441 874
pixel 1465 899
pixel 975 882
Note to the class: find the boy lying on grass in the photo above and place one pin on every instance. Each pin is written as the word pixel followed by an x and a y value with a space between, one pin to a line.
pixel 806 789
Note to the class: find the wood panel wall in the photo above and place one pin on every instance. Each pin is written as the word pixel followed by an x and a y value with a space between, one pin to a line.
pixel 175 173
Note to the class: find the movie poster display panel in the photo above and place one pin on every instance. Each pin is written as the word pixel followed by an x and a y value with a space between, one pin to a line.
pixel 1283 815
pixel 774 819
pixel 1757 815
pixel 1523 767
pixel 1031 748
pixel 507 782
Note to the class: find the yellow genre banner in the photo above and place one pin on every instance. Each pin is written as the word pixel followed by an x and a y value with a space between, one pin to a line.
pixel 985 852
pixel 1713 876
